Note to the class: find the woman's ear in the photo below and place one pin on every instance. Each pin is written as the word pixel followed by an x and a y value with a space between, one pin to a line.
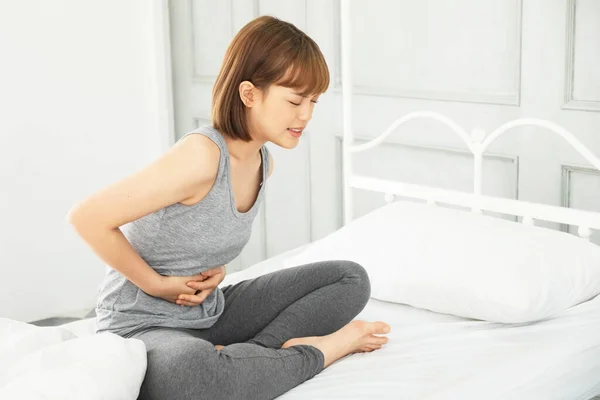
pixel 248 93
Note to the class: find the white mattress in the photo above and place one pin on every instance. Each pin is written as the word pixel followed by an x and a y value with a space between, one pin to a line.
pixel 435 356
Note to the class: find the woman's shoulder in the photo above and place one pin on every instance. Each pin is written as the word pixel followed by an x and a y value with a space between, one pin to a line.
pixel 200 150
pixel 194 158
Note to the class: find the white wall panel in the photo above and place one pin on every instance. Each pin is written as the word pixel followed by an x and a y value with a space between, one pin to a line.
pixel 212 30
pixel 581 190
pixel 466 50
pixel 583 55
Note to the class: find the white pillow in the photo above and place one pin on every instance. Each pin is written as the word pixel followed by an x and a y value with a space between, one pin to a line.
pixel 456 262
pixel 52 363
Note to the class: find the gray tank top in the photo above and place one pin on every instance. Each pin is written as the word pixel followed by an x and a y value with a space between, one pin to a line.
pixel 180 240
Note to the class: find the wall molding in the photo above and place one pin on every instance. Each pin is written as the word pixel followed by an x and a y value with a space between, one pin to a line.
pixel 432 148
pixel 263 230
pixel 205 78
pixel 210 79
pixel 565 185
pixel 256 5
pixel 309 190
pixel 337 47
pixel 570 103
pixel 503 99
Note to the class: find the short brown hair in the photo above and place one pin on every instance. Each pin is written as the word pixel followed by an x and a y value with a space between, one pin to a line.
pixel 266 51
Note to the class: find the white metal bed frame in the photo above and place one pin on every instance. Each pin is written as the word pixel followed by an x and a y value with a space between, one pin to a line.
pixel 477 142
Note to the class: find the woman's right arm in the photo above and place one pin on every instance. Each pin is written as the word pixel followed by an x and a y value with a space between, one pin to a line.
pixel 185 171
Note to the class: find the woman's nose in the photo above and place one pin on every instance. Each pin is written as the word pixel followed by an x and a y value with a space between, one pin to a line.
pixel 305 113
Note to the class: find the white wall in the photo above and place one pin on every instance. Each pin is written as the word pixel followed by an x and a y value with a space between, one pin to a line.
pixel 83 101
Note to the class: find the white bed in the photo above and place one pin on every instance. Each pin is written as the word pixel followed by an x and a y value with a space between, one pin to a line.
pixel 438 356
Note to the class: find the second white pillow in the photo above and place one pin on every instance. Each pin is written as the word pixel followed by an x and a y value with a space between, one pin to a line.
pixel 459 263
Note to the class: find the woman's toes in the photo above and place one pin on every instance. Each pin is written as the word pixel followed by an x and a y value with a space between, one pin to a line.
pixel 370 347
pixel 378 328
pixel 378 340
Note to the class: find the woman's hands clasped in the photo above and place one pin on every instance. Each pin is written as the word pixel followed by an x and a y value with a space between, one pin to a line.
pixel 189 290
pixel 202 288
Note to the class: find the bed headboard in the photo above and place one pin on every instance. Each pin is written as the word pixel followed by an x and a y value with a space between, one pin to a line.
pixel 477 142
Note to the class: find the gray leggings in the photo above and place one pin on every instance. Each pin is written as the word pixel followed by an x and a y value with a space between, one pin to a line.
pixel 260 315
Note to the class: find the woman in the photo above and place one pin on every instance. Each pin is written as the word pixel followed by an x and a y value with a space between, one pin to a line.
pixel 167 232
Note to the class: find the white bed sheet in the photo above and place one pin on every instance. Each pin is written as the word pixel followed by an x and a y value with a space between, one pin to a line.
pixel 436 356
pixel 433 356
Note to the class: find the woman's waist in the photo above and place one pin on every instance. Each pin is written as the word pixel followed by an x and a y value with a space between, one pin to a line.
pixel 117 293
pixel 181 269
pixel 128 298
pixel 125 321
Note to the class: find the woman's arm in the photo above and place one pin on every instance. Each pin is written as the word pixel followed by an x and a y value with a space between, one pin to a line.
pixel 186 171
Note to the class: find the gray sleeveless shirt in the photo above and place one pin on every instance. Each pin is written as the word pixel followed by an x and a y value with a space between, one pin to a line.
pixel 180 240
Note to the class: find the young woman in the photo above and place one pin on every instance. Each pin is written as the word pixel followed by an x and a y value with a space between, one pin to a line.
pixel 167 232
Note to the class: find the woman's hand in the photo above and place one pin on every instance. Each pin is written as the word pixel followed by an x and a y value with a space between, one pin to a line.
pixel 170 287
pixel 200 289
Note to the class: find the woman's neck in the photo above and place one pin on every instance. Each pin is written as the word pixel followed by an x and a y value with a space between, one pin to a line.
pixel 243 151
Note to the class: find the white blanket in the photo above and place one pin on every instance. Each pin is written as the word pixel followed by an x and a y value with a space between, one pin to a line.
pixel 52 363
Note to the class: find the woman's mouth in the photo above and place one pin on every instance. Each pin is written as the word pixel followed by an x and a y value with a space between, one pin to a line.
pixel 295 132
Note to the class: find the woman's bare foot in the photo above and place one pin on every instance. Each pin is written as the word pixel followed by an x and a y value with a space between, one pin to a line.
pixel 357 336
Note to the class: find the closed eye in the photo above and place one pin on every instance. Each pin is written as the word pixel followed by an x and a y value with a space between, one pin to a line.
pixel 298 104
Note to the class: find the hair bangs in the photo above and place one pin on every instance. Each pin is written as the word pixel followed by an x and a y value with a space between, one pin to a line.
pixel 308 72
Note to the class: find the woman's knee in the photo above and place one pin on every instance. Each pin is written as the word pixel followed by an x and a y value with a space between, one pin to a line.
pixel 356 276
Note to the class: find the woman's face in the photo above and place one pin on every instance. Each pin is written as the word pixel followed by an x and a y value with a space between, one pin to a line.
pixel 280 114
